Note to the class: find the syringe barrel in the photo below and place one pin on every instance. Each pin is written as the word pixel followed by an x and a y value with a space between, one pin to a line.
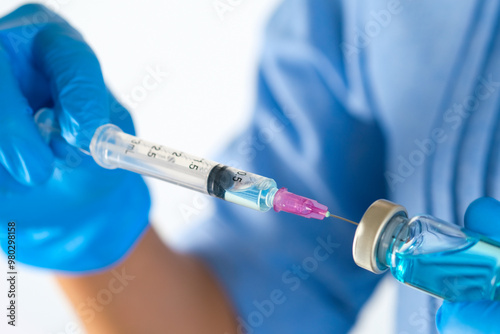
pixel 112 148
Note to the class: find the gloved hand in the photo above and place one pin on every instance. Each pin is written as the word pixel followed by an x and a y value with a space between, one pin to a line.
pixel 70 214
pixel 482 216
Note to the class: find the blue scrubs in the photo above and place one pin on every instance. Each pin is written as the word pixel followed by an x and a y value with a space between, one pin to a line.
pixel 357 100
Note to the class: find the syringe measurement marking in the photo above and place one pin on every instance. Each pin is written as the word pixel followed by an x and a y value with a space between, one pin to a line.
pixel 236 178
pixel 154 153
pixel 131 146
pixel 193 166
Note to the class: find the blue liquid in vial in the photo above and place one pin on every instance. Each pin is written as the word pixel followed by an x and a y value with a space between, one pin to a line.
pixel 470 272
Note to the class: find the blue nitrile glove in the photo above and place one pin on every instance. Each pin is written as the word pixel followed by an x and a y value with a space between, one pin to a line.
pixel 482 216
pixel 70 214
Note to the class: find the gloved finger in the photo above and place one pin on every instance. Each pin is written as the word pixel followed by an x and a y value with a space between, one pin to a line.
pixel 76 81
pixel 483 216
pixel 22 151
pixel 474 317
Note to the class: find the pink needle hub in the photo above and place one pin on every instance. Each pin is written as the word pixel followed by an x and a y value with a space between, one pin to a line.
pixel 298 205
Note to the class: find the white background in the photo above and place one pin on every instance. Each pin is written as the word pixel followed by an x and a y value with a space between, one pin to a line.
pixel 211 64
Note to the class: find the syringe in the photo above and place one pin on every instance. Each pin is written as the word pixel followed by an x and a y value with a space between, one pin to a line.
pixel 112 148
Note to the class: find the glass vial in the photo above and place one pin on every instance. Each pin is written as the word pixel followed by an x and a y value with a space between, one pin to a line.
pixel 426 253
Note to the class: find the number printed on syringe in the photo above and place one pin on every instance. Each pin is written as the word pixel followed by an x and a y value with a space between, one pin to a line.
pixel 166 154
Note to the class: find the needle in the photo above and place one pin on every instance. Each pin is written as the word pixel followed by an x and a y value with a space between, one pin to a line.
pixel 328 214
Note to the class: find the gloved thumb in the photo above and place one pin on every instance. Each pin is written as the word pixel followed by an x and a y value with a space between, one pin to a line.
pixel 483 216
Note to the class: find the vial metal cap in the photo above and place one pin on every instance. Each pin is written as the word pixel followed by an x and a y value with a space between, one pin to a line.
pixel 369 231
